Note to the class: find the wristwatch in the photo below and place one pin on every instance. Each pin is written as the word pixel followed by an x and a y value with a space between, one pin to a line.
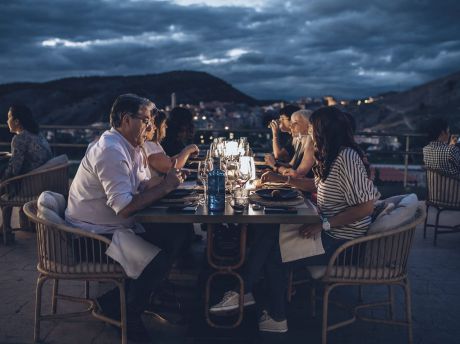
pixel 326 225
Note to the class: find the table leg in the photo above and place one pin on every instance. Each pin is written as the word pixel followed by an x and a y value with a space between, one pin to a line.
pixel 225 270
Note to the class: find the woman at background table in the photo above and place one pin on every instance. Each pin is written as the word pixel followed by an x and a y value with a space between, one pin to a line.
pixel 159 162
pixel 346 199
pixel 29 148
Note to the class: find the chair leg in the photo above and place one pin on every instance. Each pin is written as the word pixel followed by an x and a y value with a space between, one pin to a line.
pixel 6 225
pixel 289 286
pixel 436 227
pixel 360 293
pixel 313 301
pixel 87 290
pixel 426 221
pixel 24 223
pixel 38 307
pixel 408 311
pixel 391 302
pixel 124 329
pixel 54 298
pixel 325 315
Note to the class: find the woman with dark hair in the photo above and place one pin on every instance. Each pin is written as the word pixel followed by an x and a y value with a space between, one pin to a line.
pixel 180 131
pixel 346 199
pixel 29 149
pixel 159 162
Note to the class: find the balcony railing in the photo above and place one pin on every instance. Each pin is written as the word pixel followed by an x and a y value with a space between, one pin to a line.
pixel 403 149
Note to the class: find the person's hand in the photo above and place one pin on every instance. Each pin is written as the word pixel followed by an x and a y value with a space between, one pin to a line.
pixel 274 127
pixel 271 177
pixel 173 177
pixel 289 172
pixel 269 160
pixel 310 231
pixel 192 149
pixel 453 140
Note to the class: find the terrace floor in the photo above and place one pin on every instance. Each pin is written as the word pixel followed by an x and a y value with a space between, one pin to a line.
pixel 434 275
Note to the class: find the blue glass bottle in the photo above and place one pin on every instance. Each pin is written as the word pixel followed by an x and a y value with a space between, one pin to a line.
pixel 216 188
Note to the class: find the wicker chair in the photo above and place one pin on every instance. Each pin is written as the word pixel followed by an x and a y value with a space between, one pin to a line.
pixel 375 259
pixel 443 194
pixel 17 191
pixel 68 253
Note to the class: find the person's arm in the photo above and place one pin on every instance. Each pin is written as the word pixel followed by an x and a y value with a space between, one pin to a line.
pixel 455 156
pixel 18 151
pixel 183 156
pixel 160 162
pixel 349 215
pixel 308 160
pixel 304 184
pixel 150 195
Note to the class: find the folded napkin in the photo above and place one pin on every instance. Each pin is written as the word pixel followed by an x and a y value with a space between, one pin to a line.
pixel 294 247
pixel 131 251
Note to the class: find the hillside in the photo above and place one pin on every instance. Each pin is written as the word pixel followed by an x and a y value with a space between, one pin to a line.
pixel 86 100
pixel 408 110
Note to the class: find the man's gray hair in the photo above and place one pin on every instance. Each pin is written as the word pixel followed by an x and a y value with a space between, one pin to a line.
pixel 128 104
pixel 305 114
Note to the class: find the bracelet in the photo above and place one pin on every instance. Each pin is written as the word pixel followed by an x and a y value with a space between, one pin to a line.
pixel 288 180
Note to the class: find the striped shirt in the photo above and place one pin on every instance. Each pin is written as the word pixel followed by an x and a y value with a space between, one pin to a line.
pixel 443 157
pixel 347 185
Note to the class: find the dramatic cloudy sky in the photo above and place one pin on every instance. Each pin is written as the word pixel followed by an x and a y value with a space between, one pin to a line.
pixel 266 48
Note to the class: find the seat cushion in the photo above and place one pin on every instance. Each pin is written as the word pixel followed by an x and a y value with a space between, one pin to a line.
pixel 51 207
pixel 353 272
pixel 398 211
pixel 56 161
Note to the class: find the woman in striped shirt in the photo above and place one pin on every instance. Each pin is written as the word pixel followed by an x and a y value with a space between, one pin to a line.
pixel 345 197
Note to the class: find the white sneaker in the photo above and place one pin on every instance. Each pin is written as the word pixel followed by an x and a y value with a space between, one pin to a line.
pixel 268 324
pixel 230 302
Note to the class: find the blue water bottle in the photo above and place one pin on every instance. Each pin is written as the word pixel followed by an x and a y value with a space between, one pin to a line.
pixel 216 188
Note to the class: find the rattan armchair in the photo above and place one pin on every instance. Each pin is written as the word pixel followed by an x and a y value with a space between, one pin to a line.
pixel 375 259
pixel 69 253
pixel 443 193
pixel 16 191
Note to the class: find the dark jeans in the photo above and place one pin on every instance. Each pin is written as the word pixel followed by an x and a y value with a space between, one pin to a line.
pixel 170 238
pixel 265 255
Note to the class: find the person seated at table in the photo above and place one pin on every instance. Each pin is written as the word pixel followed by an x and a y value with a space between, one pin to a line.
pixel 159 162
pixel 29 148
pixel 282 144
pixel 303 159
pixel 180 131
pixel 110 186
pixel 346 199
pixel 440 154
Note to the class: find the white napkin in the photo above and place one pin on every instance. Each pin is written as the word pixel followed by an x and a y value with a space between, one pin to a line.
pixel 294 247
pixel 131 251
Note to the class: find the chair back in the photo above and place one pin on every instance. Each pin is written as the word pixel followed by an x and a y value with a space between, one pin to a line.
pixel 63 249
pixel 29 186
pixel 376 257
pixel 442 190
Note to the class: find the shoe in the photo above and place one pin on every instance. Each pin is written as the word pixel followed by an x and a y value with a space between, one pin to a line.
pixel 230 302
pixel 109 304
pixel 268 324
pixel 136 330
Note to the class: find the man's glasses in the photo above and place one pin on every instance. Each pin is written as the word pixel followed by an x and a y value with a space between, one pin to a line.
pixel 145 120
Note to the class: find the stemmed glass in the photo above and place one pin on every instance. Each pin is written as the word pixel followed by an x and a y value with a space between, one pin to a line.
pixel 204 167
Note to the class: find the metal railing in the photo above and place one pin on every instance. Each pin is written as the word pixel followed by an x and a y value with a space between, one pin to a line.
pixel 73 140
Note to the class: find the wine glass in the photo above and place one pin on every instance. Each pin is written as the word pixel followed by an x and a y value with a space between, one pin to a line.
pixel 204 167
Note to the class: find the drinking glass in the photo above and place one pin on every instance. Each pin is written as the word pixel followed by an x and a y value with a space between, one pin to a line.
pixel 204 167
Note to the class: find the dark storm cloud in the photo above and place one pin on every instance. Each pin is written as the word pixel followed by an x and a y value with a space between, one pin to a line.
pixel 349 48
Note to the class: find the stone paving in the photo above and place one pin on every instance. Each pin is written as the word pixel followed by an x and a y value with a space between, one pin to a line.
pixel 434 275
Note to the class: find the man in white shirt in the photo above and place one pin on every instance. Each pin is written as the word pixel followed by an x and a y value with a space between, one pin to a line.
pixel 110 186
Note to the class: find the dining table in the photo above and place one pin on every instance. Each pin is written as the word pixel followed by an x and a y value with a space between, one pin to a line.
pixel 305 213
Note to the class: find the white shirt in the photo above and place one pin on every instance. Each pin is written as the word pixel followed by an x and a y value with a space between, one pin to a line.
pixel 110 174
pixel 150 148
